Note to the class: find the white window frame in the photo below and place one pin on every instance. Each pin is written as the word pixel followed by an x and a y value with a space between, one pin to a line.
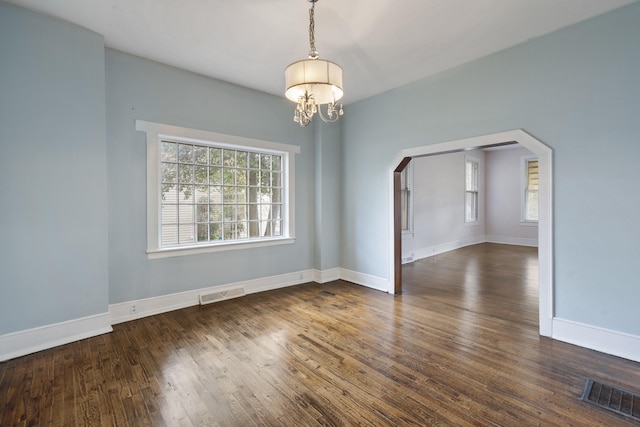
pixel 524 180
pixel 476 220
pixel 156 132
pixel 407 178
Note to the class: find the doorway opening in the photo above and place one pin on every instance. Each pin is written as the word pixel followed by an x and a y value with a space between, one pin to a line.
pixel 545 220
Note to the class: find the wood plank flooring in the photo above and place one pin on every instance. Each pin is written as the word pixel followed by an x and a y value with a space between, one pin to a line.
pixel 459 347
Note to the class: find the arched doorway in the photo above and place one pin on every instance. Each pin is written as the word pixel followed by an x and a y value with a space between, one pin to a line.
pixel 545 211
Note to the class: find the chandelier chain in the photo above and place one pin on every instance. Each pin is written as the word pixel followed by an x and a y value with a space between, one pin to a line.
pixel 312 39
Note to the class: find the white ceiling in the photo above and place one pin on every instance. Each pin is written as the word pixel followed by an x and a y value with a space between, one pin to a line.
pixel 381 44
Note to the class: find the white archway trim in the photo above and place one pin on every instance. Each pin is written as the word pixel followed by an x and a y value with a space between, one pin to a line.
pixel 545 207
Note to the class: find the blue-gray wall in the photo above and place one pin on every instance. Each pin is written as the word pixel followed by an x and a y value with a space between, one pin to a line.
pixel 138 89
pixel 72 166
pixel 578 91
pixel 328 171
pixel 53 172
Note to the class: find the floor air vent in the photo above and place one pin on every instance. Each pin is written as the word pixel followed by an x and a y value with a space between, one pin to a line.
pixel 614 399
pixel 221 295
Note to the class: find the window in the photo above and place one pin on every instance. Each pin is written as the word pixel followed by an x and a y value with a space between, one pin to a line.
pixel 406 198
pixel 529 189
pixel 209 192
pixel 471 190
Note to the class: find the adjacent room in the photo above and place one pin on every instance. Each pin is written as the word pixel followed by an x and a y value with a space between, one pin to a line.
pixel 316 212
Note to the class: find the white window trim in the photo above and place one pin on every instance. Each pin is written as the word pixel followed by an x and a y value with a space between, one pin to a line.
pixel 523 185
pixel 464 211
pixel 157 131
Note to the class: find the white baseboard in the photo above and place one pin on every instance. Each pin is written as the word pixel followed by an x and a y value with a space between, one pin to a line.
pixel 20 343
pixel 122 312
pixel 367 280
pixel 324 276
pixel 457 244
pixel 604 340
pixel 518 241
pixel 446 247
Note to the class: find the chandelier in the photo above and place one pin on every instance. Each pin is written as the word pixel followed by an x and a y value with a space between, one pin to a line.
pixel 313 83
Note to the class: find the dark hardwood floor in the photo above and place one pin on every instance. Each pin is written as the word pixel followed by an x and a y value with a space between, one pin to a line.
pixel 460 346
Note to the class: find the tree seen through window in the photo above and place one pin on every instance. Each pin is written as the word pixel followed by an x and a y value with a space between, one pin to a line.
pixel 213 194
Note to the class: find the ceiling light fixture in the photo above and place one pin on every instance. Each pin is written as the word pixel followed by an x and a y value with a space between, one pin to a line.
pixel 313 82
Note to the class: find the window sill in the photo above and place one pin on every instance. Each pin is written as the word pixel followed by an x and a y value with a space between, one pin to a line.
pixel 528 223
pixel 219 247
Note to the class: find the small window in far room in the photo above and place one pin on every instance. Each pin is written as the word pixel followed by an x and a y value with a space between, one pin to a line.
pixel 529 189
pixel 406 198
pixel 471 190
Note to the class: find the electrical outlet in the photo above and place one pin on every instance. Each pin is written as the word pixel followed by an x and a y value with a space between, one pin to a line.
pixel 133 309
